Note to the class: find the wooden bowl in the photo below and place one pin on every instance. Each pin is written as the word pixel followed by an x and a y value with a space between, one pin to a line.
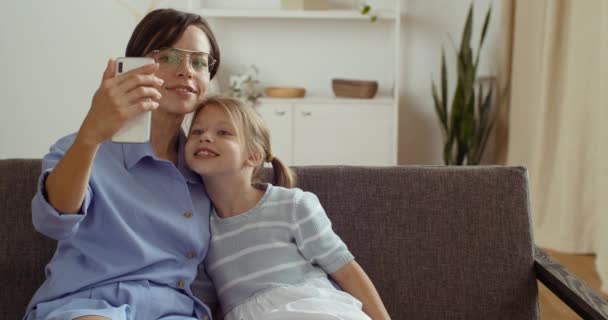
pixel 347 88
pixel 285 92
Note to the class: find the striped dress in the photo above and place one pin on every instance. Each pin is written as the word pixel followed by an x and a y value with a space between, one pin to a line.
pixel 286 239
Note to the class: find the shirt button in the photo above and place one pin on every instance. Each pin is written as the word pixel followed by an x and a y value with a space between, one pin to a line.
pixel 180 284
pixel 188 214
pixel 190 255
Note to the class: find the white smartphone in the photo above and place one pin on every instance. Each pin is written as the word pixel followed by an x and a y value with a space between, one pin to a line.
pixel 136 130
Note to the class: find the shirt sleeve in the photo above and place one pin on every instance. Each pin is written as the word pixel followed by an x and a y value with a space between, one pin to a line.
pixel 314 236
pixel 46 219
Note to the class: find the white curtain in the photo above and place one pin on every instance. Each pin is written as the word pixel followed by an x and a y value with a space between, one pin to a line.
pixel 558 121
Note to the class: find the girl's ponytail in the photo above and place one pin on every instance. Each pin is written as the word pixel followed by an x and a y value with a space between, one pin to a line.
pixel 282 175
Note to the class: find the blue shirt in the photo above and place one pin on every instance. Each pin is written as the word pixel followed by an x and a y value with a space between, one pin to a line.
pixel 142 218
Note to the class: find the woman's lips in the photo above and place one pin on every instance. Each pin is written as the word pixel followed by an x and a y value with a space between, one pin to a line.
pixel 182 91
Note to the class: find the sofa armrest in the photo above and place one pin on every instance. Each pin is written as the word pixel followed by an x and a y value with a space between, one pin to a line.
pixel 569 288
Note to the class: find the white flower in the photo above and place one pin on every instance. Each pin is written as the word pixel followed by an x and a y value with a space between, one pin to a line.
pixel 244 85
pixel 235 82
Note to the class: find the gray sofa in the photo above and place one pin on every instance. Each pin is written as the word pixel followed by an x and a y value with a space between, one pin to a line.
pixel 438 242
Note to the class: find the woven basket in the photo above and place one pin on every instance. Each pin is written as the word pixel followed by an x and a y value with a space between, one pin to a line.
pixel 285 92
pixel 361 89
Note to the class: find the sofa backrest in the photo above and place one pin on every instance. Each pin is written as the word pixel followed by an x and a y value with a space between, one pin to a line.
pixel 23 251
pixel 438 242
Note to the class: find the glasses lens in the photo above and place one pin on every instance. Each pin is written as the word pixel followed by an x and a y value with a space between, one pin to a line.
pixel 199 61
pixel 169 56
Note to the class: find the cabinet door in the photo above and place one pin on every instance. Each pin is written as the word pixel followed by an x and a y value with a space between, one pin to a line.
pixel 338 134
pixel 279 119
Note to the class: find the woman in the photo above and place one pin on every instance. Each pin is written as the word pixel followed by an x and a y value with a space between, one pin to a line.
pixel 131 220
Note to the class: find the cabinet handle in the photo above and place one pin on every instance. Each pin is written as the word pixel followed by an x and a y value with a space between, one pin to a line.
pixel 306 113
pixel 279 113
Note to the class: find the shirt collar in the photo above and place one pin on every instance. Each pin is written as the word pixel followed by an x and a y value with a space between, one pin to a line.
pixel 182 166
pixel 133 153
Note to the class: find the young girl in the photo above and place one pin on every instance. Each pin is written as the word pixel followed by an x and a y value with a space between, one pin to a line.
pixel 271 245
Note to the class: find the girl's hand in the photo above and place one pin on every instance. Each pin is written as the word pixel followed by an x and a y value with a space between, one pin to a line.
pixel 119 99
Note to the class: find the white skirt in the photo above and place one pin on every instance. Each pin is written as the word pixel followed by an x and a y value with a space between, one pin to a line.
pixel 313 299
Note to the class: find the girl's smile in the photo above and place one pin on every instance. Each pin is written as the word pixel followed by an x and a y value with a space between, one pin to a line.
pixel 205 153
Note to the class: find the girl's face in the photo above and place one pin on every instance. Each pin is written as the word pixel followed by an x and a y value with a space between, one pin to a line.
pixel 214 147
pixel 184 87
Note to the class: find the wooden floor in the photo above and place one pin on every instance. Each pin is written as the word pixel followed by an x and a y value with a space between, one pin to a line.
pixel 584 267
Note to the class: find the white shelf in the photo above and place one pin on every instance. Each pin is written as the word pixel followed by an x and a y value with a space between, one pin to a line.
pixel 308 48
pixel 292 14
pixel 378 100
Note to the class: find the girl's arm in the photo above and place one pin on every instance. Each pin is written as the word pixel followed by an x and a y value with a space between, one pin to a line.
pixel 352 279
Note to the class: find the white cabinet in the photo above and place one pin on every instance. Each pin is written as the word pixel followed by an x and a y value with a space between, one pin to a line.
pixel 331 134
pixel 279 118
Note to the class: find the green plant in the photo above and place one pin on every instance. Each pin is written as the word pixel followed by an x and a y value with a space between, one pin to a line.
pixel 467 124
pixel 365 9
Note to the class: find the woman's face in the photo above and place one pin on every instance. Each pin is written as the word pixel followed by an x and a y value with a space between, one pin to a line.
pixel 184 86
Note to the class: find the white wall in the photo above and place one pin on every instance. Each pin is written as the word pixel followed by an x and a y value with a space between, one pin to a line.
pixel 53 54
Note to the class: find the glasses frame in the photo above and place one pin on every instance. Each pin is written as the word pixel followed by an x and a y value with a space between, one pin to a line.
pixel 183 52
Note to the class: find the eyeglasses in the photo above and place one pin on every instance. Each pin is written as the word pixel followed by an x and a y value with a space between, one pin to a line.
pixel 172 58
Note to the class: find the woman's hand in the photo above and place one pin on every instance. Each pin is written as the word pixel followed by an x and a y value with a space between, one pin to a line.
pixel 119 99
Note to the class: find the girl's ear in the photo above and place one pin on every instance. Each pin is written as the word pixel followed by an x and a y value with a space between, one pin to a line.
pixel 255 159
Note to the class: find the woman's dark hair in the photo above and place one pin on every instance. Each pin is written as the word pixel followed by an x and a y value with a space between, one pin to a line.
pixel 163 27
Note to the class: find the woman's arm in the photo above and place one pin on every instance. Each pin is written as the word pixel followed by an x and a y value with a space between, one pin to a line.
pixel 66 184
pixel 352 279
pixel 115 102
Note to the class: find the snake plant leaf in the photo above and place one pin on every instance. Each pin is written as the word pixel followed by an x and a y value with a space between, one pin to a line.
pixel 468 79
pixel 480 96
pixel 484 31
pixel 486 106
pixel 438 108
pixel 486 136
pixel 467 121
pixel 468 29
pixel 477 125
pixel 487 117
pixel 444 86
pixel 456 107
pixel 447 151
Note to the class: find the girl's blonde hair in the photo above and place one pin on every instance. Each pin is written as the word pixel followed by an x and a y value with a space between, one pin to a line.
pixel 254 133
